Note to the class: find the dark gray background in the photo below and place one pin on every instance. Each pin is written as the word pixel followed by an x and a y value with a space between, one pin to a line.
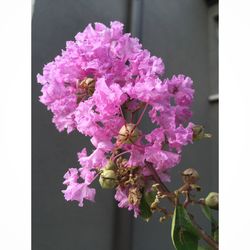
pixel 184 34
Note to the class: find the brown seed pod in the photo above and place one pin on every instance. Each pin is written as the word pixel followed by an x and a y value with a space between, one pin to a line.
pixel 128 133
pixel 190 176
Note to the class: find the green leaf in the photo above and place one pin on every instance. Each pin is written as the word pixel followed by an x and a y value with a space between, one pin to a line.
pixel 216 234
pixel 184 234
pixel 203 248
pixel 150 197
pixel 145 208
pixel 214 224
pixel 208 213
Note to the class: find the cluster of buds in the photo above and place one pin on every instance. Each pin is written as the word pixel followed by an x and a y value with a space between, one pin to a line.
pixel 117 174
pixel 108 176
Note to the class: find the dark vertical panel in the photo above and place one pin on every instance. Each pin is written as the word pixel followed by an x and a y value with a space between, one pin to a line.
pixel 136 18
pixel 123 229
pixel 213 23
pixel 56 224
pixel 177 31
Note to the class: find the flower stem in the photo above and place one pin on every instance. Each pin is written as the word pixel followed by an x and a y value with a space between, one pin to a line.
pixel 140 118
pixel 122 114
pixel 157 179
pixel 122 153
pixel 172 197
pixel 210 241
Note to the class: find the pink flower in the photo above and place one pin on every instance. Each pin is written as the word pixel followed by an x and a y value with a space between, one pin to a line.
pixel 97 159
pixel 71 176
pixel 103 85
pixel 121 196
pixel 162 160
pixel 180 136
pixel 97 52
pixel 77 191
pixel 181 88
pixel 108 99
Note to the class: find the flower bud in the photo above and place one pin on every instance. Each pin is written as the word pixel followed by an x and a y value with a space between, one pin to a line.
pixel 212 200
pixel 128 133
pixel 190 176
pixel 110 165
pixel 107 179
pixel 199 133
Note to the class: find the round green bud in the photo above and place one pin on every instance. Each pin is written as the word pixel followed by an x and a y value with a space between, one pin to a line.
pixel 107 179
pixel 212 200
pixel 110 165
pixel 128 133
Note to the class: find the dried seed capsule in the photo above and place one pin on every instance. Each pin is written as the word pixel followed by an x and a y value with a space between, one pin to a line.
pixel 190 176
pixel 88 84
pixel 85 89
pixel 128 133
pixel 199 133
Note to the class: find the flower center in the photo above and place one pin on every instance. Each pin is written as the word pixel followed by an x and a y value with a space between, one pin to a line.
pixel 85 89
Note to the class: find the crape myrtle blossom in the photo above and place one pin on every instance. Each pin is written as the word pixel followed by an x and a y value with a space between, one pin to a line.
pixel 122 197
pixel 101 117
pixel 103 85
pixel 96 52
pixel 77 191
pixel 180 89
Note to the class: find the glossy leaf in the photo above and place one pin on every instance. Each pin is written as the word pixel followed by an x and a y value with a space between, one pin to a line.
pixel 207 212
pixel 214 224
pixel 184 234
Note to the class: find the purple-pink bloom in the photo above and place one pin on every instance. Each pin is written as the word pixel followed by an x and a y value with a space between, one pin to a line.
pixel 77 191
pixel 97 52
pixel 180 137
pixel 103 81
pixel 121 196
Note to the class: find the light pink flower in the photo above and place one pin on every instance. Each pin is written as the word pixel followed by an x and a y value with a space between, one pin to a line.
pixel 124 76
pixel 79 192
pixel 121 196
pixel 97 52
pixel 76 191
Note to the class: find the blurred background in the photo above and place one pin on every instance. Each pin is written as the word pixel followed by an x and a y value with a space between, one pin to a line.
pixel 184 33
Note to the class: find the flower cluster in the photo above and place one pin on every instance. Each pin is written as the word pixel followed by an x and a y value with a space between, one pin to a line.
pixel 103 85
